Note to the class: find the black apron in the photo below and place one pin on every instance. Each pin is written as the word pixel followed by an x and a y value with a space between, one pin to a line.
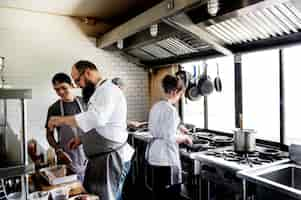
pixel 105 166
pixel 172 177
pixel 78 157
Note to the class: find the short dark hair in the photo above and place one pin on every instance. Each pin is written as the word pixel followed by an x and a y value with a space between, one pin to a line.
pixel 171 83
pixel 118 81
pixel 82 65
pixel 61 78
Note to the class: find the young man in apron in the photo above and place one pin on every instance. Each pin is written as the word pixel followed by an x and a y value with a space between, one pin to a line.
pixel 68 104
pixel 105 138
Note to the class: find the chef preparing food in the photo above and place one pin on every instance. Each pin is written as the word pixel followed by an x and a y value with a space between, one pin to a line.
pixel 105 137
pixel 162 152
pixel 68 104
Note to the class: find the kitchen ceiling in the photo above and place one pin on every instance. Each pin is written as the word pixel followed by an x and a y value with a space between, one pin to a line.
pixel 112 12
pixel 186 29
pixel 239 26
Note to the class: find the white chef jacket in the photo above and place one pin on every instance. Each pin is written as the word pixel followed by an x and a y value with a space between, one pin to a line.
pixel 163 124
pixel 107 112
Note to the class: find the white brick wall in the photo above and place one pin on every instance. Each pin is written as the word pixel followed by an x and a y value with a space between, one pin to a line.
pixel 38 45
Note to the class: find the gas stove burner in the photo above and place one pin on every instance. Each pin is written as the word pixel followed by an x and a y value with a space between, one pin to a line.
pixel 211 153
pixel 222 140
pixel 235 158
pixel 204 134
pixel 270 152
pixel 249 154
pixel 262 160
pixel 253 154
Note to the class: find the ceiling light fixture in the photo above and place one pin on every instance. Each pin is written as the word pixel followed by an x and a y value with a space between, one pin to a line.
pixel 154 30
pixel 120 44
pixel 213 7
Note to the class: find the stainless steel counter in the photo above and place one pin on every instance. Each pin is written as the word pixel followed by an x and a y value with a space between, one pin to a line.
pixel 284 177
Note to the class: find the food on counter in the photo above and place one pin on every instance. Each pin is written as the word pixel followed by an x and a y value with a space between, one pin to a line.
pixel 61 193
pixel 39 195
pixel 85 197
pixel 57 171
pixel 57 175
pixel 51 157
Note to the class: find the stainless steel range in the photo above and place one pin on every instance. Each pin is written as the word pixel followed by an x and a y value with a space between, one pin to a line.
pixel 216 164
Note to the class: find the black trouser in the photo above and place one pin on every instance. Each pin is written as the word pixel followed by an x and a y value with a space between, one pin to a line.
pixel 162 186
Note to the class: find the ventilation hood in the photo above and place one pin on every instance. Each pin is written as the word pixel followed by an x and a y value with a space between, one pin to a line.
pixel 189 32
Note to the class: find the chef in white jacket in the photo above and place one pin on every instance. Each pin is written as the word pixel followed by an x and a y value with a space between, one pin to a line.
pixel 105 138
pixel 162 153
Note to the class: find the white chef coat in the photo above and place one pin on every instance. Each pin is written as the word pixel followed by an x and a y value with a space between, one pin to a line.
pixel 163 123
pixel 107 112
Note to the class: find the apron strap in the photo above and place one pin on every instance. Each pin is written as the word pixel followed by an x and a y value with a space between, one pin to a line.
pixel 62 108
pixel 108 152
pixel 79 104
pixel 149 145
pixel 75 131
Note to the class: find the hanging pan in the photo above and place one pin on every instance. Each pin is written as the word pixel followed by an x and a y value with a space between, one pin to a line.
pixel 205 85
pixel 192 92
pixel 217 81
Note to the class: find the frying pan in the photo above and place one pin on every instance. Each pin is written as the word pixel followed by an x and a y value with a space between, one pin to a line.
pixel 217 81
pixel 197 145
pixel 192 92
pixel 205 85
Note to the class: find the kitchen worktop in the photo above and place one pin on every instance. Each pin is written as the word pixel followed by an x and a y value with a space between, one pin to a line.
pixel 202 155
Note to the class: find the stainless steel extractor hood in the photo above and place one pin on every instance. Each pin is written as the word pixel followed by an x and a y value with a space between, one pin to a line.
pixel 190 32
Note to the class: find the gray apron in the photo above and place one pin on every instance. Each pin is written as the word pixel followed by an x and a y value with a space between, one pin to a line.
pixel 78 157
pixel 175 171
pixel 105 165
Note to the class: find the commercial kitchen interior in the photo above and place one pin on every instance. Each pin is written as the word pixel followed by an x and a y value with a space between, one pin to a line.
pixel 253 45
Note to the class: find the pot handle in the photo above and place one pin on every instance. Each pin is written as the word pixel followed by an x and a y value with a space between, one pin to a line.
pixel 240 121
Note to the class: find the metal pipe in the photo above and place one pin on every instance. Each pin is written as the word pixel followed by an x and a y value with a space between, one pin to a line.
pixel 208 190
pixel 244 189
pixel 238 89
pixel 205 102
pixel 24 154
pixel 4 127
pixel 282 98
pixel 205 112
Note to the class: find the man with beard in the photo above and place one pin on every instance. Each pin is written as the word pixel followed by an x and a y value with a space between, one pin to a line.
pixel 105 138
pixel 68 104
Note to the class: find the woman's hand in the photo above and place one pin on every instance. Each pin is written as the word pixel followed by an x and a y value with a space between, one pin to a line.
pixel 183 129
pixel 183 138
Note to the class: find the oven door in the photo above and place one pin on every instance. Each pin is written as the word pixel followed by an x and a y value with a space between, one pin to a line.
pixel 191 187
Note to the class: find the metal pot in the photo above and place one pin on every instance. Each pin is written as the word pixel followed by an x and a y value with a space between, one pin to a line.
pixel 244 140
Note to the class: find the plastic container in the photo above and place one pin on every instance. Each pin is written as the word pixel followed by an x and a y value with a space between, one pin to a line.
pixel 40 195
pixel 61 193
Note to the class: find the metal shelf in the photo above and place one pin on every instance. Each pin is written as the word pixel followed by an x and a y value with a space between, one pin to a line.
pixel 15 93
pixel 14 171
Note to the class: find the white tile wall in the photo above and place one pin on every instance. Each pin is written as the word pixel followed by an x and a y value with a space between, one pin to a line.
pixel 38 45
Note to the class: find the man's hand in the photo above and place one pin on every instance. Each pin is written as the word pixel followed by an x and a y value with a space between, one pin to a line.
pixel 74 143
pixel 58 121
pixel 54 122
pixel 63 157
